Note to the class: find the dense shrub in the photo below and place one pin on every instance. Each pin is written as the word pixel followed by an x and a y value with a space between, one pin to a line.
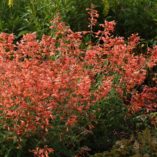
pixel 50 88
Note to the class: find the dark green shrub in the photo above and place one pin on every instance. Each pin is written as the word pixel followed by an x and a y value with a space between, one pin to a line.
pixel 134 16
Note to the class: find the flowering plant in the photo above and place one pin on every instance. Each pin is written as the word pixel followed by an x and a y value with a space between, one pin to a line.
pixel 55 79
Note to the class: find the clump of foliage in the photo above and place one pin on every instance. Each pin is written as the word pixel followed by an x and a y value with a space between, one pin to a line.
pixel 23 16
pixel 50 88
pixel 143 144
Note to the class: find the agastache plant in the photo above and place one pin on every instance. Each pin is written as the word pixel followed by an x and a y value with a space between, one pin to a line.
pixel 43 79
